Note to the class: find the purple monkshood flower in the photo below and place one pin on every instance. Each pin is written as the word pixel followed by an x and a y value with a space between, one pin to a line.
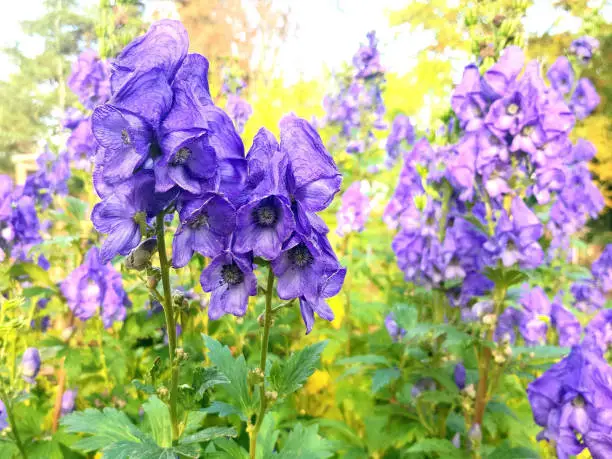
pixel 95 287
pixel 367 59
pixel 394 330
pixel 329 285
pixel 82 142
pixel 206 224
pixel 459 375
pixel 584 47
pixel 401 131
pixel 561 75
pixel 4 422
pixel 266 222
pixel 121 213
pixel 468 101
pixel 500 77
pixel 30 364
pixel 602 269
pixel 599 330
pixel 572 402
pixel 72 118
pixel 239 110
pixel 567 325
pixel 585 98
pixel 231 281
pixel 588 297
pixel 354 210
pixel 68 401
pixel 89 79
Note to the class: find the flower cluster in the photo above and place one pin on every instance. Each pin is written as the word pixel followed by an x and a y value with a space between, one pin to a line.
pixel 402 133
pixel 354 209
pixel 89 79
pixel 164 145
pixel 237 107
pixel 572 402
pixel 357 107
pixel 51 178
pixel 584 48
pixel 95 287
pixel 590 294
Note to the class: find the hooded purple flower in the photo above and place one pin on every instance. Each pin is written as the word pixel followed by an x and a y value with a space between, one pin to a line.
pixel 239 110
pixel 82 142
pixel 468 101
pixel 266 221
pixel 585 98
pixel 503 73
pixel 121 213
pixel 599 330
pixel 584 47
pixel 89 79
pixel 30 364
pixel 561 75
pixel 231 281
pixel 354 210
pixel 394 330
pixel 328 285
pixel 566 324
pixel 313 177
pixel 72 118
pixel 602 269
pixel 401 131
pixel 206 224
pixel 536 306
pixel 588 297
pixel 96 287
pixel 367 59
pixel 68 401
pixel 459 375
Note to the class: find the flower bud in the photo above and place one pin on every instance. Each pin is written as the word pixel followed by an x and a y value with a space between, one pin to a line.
pixel 68 401
pixel 30 364
pixel 153 277
pixel 459 375
pixel 272 395
pixel 470 391
pixel 162 392
pixel 475 434
pixel 140 257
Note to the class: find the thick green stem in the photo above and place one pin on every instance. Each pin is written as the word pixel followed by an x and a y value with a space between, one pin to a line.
pixel 11 418
pixel 170 324
pixel 265 338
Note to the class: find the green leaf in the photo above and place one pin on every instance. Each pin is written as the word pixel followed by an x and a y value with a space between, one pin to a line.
pixel 405 315
pixel 37 275
pixel 232 449
pixel 537 354
pixel 305 443
pixel 106 427
pixel 266 438
pixel 288 376
pixel 383 377
pixel 503 277
pixel 36 291
pixel 504 451
pixel 223 410
pixel 208 434
pixel 146 388
pixel 77 207
pixel 367 359
pixel 436 445
pixel 158 417
pixel 235 370
pixel 135 450
pixel 205 378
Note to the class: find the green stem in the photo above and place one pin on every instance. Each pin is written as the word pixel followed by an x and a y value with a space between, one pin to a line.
pixel 100 336
pixel 262 364
pixel 170 324
pixel 11 417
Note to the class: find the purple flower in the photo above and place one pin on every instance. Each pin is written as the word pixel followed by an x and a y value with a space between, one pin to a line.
pixel 328 285
pixel 585 98
pixel 96 287
pixel 468 101
pixel 89 79
pixel 72 118
pixel 584 47
pixel 459 375
pixel 30 364
pixel 367 59
pixel 401 131
pixel 602 269
pixel 354 210
pixel 239 110
pixel 394 330
pixel 588 297
pixel 504 72
pixel 4 422
pixel 266 221
pixel 561 75
pixel 599 330
pixel 68 401
pixel 566 324
pixel 82 142
pixel 121 213
pixel 231 281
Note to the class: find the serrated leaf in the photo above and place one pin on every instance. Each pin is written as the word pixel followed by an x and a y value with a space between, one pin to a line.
pixel 232 449
pixel 504 451
pixel 305 443
pixel 106 427
pixel 205 378
pixel 383 377
pixel 146 388
pixel 223 410
pixel 158 417
pixel 235 370
pixel 541 353
pixel 288 376
pixel 266 438
pixel 208 434
pixel 135 450
pixel 405 315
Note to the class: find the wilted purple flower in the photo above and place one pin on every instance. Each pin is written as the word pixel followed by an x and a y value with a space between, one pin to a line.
pixel 459 375
pixel 231 281
pixel 206 224
pixel 89 79
pixel 584 47
pixel 561 75
pixel 68 401
pixel 354 210
pixel 585 98
pixel 239 110
pixel 95 287
pixel 394 330
pixel 30 364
